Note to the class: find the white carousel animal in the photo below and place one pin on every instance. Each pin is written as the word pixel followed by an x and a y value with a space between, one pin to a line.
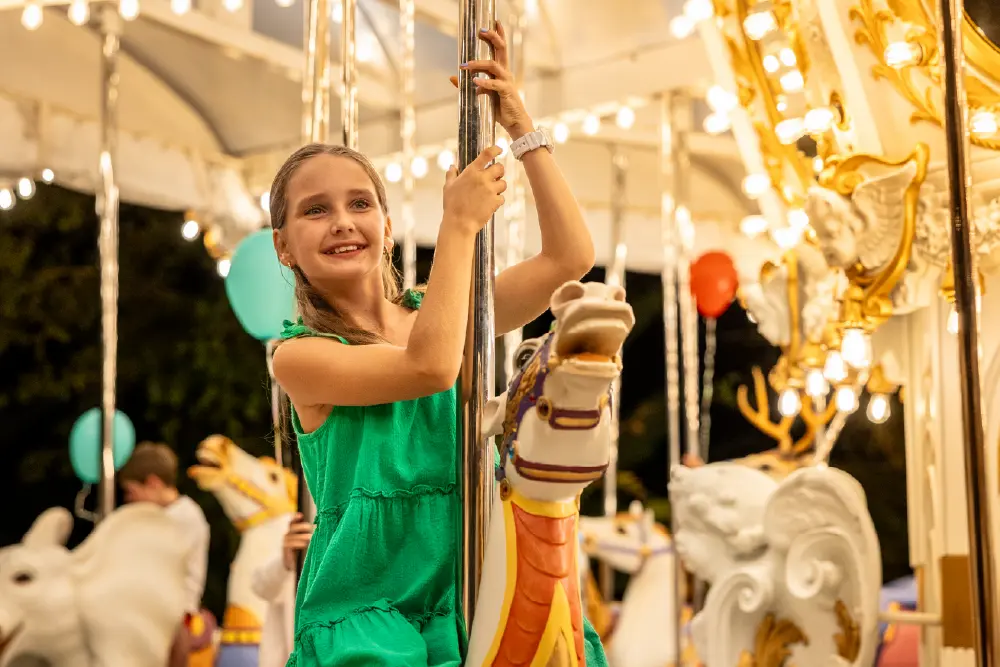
pixel 259 497
pixel 793 567
pixel 116 600
pixel 635 544
pixel 556 425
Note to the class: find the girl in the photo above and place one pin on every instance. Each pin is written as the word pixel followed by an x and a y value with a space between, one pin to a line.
pixel 371 374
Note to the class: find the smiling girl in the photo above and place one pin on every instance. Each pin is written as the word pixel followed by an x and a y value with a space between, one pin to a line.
pixel 371 373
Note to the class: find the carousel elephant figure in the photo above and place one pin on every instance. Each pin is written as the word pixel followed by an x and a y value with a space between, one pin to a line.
pixel 115 600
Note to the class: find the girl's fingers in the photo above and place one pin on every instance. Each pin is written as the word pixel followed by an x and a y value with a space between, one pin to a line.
pixel 489 66
pixel 497 39
pixel 492 84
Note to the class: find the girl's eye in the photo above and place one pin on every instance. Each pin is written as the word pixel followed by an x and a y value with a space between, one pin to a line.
pixel 314 210
pixel 360 203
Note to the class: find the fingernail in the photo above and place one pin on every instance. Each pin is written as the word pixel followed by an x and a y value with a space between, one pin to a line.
pixel 464 66
pixel 483 30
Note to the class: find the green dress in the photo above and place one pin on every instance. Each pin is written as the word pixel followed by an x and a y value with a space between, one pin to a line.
pixel 379 585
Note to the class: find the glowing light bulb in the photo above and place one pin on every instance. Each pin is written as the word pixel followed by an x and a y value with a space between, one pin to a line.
pixel 591 124
pixel 901 54
pixel 6 199
pixel 284 3
pixel 786 238
pixel 792 82
pixel 846 400
pixel 180 6
pixel 952 325
pixel 787 57
pixel 758 24
pixel 128 9
pixel 818 121
pixel 223 266
pixel 856 348
pixel 790 130
pixel 625 118
pixel 366 48
pixel 720 99
pixel 560 133
pixel 698 10
pixel 834 369
pixel 681 26
pixel 190 230
pixel 48 176
pixel 879 408
pixel 25 188
pixel 78 12
pixel 816 384
pixel 789 403
pixel 753 225
pixel 818 164
pixel 716 123
pixel 754 185
pixel 798 219
pixel 419 167
pixel 337 11
pixel 982 123
pixel 502 145
pixel 31 16
pixel 771 63
pixel 393 172
pixel 265 201
pixel 445 159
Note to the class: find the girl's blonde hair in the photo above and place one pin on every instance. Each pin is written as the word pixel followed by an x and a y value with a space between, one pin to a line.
pixel 316 312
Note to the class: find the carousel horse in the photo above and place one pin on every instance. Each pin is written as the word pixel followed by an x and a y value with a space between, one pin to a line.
pixel 634 543
pixel 117 599
pixel 556 424
pixel 793 567
pixel 259 497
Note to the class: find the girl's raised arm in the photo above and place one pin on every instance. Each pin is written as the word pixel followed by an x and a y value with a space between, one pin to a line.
pixel 322 371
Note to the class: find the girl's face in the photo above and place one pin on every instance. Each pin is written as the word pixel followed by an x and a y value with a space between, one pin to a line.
pixel 334 231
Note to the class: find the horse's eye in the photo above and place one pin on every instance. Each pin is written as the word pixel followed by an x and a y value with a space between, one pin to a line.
pixel 23 578
pixel 525 351
pixel 274 477
pixel 621 530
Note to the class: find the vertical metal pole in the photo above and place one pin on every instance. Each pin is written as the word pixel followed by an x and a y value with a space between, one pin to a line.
pixel 276 398
pixel 615 276
pixel 475 133
pixel 316 82
pixel 408 123
pixel 668 276
pixel 315 129
pixel 107 209
pixel 981 561
pixel 349 80
pixel 514 211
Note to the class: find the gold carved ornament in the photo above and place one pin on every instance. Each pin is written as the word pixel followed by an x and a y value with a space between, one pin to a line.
pixel 787 372
pixel 866 303
pixel 918 79
pixel 774 639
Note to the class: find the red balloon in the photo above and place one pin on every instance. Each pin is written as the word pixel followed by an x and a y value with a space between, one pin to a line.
pixel 714 283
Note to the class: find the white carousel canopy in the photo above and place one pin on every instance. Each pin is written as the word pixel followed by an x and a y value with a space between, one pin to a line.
pixel 210 104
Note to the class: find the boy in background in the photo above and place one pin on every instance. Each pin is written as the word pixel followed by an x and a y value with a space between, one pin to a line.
pixel 151 476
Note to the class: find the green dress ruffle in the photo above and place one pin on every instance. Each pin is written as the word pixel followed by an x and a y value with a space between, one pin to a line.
pixel 379 583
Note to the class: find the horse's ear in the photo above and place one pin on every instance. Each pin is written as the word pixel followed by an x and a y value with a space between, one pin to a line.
pixel 493 413
pixel 51 528
pixel 291 485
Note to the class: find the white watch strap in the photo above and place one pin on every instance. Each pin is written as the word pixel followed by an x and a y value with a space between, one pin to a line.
pixel 531 141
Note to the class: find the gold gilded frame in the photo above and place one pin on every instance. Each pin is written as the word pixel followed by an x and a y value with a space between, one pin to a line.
pixel 920 81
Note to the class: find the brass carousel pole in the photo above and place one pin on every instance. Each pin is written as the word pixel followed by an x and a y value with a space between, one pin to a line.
pixel 107 210
pixel 408 123
pixel 315 129
pixel 982 578
pixel 475 133
pixel 671 249
pixel 616 277
pixel 349 78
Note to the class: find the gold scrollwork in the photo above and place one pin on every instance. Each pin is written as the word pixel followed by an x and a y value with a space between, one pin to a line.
pixel 772 645
pixel 848 640
pixel 919 81
pixel 867 300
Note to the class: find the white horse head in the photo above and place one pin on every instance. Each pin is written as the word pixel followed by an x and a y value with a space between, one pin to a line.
pixel 625 541
pixel 117 599
pixel 249 489
pixel 555 415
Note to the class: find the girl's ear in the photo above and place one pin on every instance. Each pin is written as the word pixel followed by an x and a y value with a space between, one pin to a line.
pixel 281 248
pixel 387 241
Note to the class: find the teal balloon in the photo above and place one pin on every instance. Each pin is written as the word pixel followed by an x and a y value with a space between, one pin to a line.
pixel 261 290
pixel 85 444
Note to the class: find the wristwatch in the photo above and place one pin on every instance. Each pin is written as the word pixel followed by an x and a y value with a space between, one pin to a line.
pixel 531 141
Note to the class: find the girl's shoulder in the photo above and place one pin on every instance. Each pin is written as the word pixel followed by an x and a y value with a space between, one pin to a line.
pixel 298 329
